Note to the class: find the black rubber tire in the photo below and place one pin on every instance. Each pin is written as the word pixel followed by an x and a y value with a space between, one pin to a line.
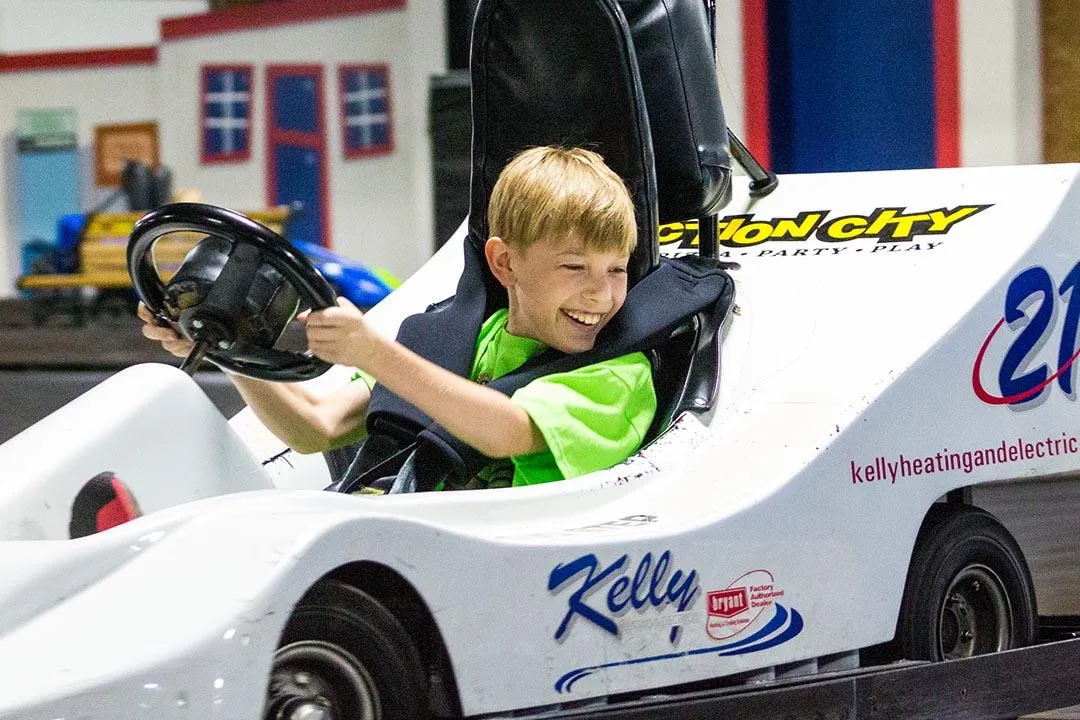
pixel 965 563
pixel 337 615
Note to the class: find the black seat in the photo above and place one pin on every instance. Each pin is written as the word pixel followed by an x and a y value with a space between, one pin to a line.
pixel 566 72
pixel 675 55
pixel 689 135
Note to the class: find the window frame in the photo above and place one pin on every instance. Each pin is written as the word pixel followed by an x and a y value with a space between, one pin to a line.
pixel 350 152
pixel 207 157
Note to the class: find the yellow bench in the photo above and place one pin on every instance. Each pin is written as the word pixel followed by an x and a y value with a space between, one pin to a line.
pixel 102 252
pixel 102 255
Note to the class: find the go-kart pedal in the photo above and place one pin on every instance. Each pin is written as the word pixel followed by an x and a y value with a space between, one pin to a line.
pixel 102 503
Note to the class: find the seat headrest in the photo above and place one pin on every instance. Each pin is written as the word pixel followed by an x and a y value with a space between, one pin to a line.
pixel 678 75
pixel 560 72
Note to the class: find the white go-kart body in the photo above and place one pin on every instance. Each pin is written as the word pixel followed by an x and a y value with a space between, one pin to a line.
pixel 891 343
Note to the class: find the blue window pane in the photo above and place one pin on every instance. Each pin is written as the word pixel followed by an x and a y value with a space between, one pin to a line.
pixel 844 106
pixel 366 104
pixel 227 112
pixel 301 182
pixel 296 103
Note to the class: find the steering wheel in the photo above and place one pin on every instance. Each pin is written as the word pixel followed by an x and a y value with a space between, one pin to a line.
pixel 235 292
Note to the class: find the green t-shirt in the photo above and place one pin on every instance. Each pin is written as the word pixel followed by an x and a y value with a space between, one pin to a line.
pixel 591 418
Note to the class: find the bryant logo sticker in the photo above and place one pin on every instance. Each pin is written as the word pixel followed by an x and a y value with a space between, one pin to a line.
pixel 737 607
pixel 728 603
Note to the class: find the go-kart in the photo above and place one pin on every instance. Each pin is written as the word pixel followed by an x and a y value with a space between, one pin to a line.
pixel 897 342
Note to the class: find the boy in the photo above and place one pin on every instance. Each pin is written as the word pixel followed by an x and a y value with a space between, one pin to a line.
pixel 562 228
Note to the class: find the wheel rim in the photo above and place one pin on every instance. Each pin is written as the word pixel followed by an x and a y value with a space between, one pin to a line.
pixel 315 680
pixel 976 616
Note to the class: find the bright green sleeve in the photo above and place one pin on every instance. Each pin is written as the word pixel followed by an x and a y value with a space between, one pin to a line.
pixel 368 379
pixel 592 418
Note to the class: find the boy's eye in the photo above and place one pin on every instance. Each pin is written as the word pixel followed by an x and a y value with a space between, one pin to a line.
pixel 619 269
pixel 573 266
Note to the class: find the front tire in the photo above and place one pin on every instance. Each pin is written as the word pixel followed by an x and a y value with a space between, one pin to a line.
pixel 343 656
pixel 968 592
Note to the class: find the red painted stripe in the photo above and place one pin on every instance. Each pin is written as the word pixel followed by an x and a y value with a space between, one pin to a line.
pixel 117 511
pixel 298 138
pixel 78 59
pixel 946 83
pixel 756 80
pixel 127 502
pixel 255 17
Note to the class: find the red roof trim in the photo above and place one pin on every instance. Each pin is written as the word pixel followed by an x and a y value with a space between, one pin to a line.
pixel 256 17
pixel 76 59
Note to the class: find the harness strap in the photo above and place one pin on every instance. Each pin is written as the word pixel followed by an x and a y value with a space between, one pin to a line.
pixel 655 307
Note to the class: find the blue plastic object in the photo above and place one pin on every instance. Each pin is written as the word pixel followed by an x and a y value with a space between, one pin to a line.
pixel 68 228
pixel 362 286
pixel 48 186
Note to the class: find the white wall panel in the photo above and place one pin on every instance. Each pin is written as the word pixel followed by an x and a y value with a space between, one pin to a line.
pixel 380 207
pixel 729 63
pixel 46 25
pixel 1000 91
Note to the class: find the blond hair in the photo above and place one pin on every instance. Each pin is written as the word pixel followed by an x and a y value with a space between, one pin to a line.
pixel 551 192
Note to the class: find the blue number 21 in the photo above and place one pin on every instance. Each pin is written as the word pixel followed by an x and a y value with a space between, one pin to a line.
pixel 1029 283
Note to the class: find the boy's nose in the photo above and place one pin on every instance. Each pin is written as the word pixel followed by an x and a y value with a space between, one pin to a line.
pixel 597 290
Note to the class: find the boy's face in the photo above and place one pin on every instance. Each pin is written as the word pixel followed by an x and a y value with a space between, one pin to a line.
pixel 560 293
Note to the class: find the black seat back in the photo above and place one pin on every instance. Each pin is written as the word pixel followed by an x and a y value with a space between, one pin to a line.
pixel 560 72
pixel 556 72
pixel 689 135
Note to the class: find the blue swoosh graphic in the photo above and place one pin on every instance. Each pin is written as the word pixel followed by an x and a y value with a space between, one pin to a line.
pixel 741 647
pixel 792 630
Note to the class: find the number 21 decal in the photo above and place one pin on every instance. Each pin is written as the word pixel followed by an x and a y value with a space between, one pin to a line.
pixel 1018 384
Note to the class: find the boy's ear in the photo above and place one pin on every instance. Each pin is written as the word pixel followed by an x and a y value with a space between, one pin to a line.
pixel 497 253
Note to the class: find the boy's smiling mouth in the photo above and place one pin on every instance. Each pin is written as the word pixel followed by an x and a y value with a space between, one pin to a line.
pixel 584 318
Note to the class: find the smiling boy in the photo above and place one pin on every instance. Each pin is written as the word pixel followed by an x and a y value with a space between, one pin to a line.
pixel 562 229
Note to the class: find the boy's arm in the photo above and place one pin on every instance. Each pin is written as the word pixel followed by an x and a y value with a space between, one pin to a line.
pixel 302 420
pixel 482 417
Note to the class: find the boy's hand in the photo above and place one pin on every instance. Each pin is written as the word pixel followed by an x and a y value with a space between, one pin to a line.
pixel 169 339
pixel 339 334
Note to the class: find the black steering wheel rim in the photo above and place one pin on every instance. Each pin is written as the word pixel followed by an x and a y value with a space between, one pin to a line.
pixel 295 268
